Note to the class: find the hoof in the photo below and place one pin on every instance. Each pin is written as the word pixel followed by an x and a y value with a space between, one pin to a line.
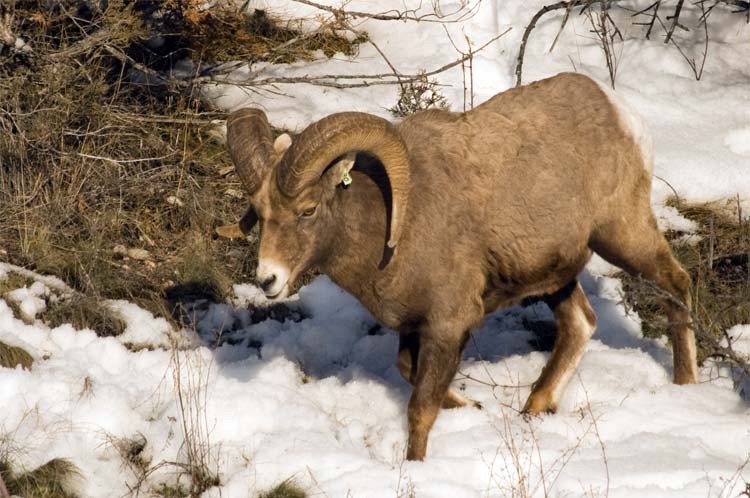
pixel 455 400
pixel 682 378
pixel 539 403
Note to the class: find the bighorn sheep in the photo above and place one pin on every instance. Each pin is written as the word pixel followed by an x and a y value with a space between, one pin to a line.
pixel 444 217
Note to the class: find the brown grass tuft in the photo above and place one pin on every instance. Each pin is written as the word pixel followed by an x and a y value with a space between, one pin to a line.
pixel 84 312
pixel 286 489
pixel 12 356
pixel 51 480
pixel 717 259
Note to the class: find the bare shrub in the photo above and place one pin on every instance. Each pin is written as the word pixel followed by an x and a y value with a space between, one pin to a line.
pixel 417 96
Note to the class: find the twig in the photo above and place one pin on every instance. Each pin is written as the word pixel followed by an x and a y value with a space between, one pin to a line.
pixel 387 61
pixel 597 434
pixel 562 24
pixel 332 80
pixel 397 15
pixel 691 62
pixel 532 24
pixel 125 59
pixel 600 23
pixel 123 161
pixel 726 353
pixel 674 191
pixel 675 20
pixel 650 24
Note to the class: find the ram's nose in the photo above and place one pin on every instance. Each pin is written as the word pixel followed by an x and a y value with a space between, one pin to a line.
pixel 267 283
pixel 272 278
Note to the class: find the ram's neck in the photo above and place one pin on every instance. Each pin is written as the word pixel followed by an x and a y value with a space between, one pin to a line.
pixel 356 247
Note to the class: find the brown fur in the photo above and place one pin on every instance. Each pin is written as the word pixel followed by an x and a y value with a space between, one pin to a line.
pixel 506 201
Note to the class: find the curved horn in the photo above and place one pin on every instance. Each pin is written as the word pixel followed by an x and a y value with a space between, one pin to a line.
pixel 333 136
pixel 250 145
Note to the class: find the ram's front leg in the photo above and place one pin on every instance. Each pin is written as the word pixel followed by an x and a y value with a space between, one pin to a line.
pixel 437 365
pixel 408 352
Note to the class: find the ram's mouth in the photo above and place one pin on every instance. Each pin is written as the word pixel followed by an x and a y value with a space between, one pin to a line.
pixel 281 294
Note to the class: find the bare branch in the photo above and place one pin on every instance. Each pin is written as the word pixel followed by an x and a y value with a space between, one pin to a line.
pixel 675 20
pixel 461 13
pixel 334 80
pixel 532 24
pixel 650 24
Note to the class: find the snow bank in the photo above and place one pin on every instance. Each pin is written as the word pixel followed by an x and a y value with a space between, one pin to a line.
pixel 321 400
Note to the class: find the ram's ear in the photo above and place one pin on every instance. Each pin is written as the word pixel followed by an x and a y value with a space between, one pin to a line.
pixel 248 220
pixel 230 231
pixel 282 143
pixel 339 172
pixel 241 229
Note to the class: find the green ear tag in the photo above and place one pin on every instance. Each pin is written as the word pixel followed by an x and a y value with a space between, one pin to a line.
pixel 347 180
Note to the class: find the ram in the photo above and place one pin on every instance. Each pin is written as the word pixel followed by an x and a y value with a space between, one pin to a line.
pixel 444 217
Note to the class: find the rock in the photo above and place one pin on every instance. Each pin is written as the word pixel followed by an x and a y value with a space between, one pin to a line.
pixel 139 254
pixel 175 201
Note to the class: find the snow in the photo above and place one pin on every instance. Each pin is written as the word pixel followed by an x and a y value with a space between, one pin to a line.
pixel 142 328
pixel 30 299
pixel 310 390
pixel 699 125
pixel 738 141
pixel 320 399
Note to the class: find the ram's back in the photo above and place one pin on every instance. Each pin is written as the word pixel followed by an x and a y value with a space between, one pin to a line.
pixel 520 182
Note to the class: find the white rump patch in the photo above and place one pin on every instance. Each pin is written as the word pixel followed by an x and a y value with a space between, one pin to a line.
pixel 631 121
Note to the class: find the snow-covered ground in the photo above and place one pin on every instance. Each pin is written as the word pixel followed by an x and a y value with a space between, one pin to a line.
pixel 318 398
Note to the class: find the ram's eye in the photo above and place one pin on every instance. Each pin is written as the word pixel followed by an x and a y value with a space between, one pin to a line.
pixel 307 213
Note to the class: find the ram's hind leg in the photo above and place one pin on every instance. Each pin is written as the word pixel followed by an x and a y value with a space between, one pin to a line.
pixel 637 246
pixel 408 352
pixel 575 324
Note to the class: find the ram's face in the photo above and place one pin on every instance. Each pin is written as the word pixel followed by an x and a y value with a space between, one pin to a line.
pixel 294 232
pixel 293 186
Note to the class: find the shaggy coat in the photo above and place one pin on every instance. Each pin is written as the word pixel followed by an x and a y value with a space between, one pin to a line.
pixel 494 205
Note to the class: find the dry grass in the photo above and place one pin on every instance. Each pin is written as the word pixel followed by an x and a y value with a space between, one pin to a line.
pixel 286 489
pixel 716 258
pixel 51 480
pixel 256 36
pixel 12 282
pixel 92 162
pixel 12 356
